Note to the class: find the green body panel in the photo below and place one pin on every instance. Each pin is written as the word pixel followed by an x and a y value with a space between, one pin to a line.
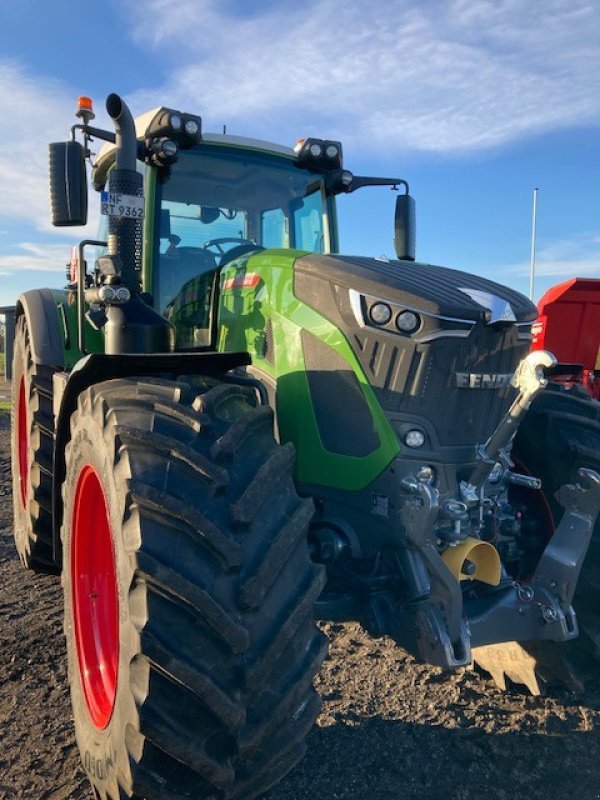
pixel 258 288
pixel 66 310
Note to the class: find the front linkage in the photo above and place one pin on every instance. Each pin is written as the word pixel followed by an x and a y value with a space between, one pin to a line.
pixel 442 623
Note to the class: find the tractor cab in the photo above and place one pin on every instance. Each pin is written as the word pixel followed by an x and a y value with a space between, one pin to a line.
pixel 218 198
pixel 211 198
pixel 219 203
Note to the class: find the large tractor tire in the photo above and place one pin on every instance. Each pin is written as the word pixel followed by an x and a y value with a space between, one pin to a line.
pixel 189 593
pixel 32 445
pixel 560 434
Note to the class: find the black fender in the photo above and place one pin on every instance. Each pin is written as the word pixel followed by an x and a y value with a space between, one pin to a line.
pixel 98 367
pixel 46 333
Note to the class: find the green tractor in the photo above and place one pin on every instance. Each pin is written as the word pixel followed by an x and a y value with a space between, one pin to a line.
pixel 224 430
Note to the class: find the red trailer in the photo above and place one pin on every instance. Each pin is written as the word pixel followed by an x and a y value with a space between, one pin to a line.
pixel 569 326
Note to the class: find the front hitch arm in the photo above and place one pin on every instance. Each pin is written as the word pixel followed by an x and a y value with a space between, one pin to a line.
pixel 542 610
pixel 529 379
pixel 561 561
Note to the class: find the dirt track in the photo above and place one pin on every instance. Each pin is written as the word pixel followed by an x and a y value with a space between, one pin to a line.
pixel 390 728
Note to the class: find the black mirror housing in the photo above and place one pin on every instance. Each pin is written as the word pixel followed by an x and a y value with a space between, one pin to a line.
pixel 405 227
pixel 68 184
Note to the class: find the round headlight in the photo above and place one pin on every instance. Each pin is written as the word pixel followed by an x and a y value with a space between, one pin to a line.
pixel 175 122
pixel 332 151
pixel 346 177
pixel 191 127
pixel 122 294
pixel 169 148
pixel 414 438
pixel 315 150
pixel 106 294
pixel 407 321
pixel 380 313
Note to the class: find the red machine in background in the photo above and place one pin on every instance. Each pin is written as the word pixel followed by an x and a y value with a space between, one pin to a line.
pixel 569 326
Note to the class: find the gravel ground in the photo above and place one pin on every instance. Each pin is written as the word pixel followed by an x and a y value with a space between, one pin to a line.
pixel 390 728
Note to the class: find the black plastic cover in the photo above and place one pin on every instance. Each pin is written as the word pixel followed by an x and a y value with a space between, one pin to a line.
pixel 68 184
pixel 436 290
pixel 343 416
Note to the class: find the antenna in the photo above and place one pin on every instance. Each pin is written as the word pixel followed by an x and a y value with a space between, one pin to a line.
pixel 533 237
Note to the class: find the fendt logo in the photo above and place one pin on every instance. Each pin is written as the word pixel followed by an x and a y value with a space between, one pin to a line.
pixel 482 380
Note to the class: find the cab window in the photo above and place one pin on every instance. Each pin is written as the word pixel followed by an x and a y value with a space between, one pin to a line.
pixel 218 204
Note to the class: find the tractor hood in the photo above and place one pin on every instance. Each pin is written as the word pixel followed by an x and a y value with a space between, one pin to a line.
pixel 436 291
pixel 422 333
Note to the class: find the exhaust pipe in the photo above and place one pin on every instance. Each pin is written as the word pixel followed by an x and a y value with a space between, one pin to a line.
pixel 126 142
pixel 124 233
pixel 133 326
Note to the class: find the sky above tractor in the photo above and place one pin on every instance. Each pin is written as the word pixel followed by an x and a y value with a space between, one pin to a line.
pixel 474 102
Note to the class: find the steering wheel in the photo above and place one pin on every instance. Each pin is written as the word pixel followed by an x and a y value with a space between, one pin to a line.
pixel 217 243
pixel 242 246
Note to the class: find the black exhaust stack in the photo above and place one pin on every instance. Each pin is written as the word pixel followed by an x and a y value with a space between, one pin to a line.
pixel 131 327
pixel 124 234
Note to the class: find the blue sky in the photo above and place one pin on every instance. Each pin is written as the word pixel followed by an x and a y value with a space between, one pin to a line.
pixel 474 102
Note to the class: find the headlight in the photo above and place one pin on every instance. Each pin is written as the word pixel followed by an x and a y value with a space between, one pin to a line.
pixel 380 313
pixel 163 151
pixel 407 321
pixel 191 127
pixel 414 438
pixel 319 154
pixel 175 121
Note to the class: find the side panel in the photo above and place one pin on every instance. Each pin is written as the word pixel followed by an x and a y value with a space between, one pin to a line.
pixel 258 311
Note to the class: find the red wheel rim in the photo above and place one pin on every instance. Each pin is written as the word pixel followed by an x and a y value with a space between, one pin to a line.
pixel 95 599
pixel 23 443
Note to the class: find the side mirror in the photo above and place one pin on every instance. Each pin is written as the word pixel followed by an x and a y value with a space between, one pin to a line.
pixel 68 184
pixel 405 227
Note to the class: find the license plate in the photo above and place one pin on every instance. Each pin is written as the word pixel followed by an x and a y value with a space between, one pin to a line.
pixel 113 204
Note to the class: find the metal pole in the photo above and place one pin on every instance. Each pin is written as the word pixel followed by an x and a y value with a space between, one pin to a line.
pixel 533 236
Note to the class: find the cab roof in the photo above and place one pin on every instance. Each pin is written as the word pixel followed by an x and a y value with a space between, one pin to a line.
pixel 106 153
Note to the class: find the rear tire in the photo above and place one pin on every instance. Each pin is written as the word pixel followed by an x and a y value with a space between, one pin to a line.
pixel 560 434
pixel 32 451
pixel 216 646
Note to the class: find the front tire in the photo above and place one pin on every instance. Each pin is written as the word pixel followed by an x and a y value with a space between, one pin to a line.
pixel 194 676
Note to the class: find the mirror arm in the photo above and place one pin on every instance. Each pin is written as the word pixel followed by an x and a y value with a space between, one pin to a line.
pixel 359 181
pixel 91 132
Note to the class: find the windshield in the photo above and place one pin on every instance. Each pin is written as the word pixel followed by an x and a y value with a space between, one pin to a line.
pixel 218 203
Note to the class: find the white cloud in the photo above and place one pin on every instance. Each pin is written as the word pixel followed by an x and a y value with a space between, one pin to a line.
pixel 33 112
pixel 564 258
pixel 35 257
pixel 440 76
